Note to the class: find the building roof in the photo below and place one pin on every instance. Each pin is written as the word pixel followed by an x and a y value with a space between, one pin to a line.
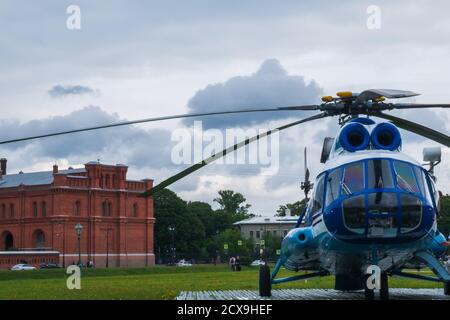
pixel 34 178
pixel 268 220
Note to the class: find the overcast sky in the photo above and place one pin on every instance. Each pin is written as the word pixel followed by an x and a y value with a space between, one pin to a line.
pixel 138 59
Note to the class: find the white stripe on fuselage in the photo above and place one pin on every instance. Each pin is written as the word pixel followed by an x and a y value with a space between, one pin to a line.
pixel 348 157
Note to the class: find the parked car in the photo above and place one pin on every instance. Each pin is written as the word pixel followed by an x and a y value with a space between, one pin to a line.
pixel 22 266
pixel 257 263
pixel 184 263
pixel 49 266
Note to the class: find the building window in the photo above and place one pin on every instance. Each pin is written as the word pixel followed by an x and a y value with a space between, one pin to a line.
pixel 274 232
pixel 39 239
pixel 3 211
pixel 258 234
pixel 251 234
pixel 104 209
pixel 109 209
pixel 135 210
pixel 285 232
pixel 11 210
pixel 35 209
pixel 44 209
pixel 77 208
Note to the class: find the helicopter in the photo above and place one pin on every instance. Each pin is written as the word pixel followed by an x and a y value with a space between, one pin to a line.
pixel 371 205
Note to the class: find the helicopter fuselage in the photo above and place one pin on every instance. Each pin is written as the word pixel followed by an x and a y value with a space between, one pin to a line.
pixel 369 207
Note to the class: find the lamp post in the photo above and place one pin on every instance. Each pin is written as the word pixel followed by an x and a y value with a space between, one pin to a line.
pixel 108 228
pixel 78 229
pixel 172 230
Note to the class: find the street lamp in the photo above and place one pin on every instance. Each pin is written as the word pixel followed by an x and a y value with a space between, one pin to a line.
pixel 172 230
pixel 108 228
pixel 78 229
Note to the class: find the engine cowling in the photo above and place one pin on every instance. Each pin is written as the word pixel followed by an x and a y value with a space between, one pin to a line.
pixel 385 136
pixel 354 137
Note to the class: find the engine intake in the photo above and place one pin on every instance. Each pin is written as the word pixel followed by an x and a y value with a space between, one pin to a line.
pixel 385 136
pixel 354 137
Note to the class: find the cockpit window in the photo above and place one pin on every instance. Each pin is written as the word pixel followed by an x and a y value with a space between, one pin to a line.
pixel 333 184
pixel 405 177
pixel 317 201
pixel 411 212
pixel 354 214
pixel 380 175
pixel 353 180
pixel 383 203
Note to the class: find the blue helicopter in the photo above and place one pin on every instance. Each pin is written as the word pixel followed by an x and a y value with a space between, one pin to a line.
pixel 372 206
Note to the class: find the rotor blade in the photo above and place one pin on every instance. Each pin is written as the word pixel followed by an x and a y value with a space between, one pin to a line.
pixel 417 128
pixel 419 105
pixel 371 94
pixel 222 153
pixel 180 116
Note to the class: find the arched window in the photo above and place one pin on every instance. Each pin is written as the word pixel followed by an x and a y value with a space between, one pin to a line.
pixel 109 209
pixel 77 208
pixel 7 241
pixel 35 209
pixel 134 212
pixel 44 209
pixel 104 208
pixel 39 239
pixel 11 210
pixel 107 181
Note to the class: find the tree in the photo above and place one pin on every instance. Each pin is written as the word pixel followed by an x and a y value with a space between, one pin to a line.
pixel 444 216
pixel 188 236
pixel 295 208
pixel 237 245
pixel 272 243
pixel 232 202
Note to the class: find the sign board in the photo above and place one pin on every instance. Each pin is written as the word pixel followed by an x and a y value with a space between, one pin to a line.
pixel 239 242
pixel 225 246
pixel 262 242
pixel 278 252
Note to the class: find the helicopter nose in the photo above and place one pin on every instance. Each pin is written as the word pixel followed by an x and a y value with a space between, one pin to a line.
pixel 296 240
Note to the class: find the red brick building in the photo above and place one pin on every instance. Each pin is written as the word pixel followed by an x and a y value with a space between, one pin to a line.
pixel 39 210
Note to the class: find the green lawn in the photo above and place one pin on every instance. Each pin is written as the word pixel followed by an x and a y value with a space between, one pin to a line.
pixel 152 283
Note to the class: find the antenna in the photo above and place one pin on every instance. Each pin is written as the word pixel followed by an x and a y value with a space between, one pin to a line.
pixel 306 185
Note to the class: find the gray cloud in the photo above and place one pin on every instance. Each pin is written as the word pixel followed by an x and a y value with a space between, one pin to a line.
pixel 131 145
pixel 269 86
pixel 60 90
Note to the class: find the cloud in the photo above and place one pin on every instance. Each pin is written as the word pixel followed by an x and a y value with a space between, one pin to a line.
pixel 60 90
pixel 131 144
pixel 269 86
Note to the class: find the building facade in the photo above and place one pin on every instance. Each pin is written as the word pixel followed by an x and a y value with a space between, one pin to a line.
pixel 39 211
pixel 255 228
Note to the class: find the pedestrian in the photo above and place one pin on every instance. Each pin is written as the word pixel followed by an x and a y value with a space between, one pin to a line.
pixel 237 264
pixel 233 263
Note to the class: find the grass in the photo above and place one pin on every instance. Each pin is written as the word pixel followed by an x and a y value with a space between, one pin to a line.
pixel 158 282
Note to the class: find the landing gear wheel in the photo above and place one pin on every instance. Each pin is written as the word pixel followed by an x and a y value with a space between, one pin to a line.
pixel 447 288
pixel 384 290
pixel 265 283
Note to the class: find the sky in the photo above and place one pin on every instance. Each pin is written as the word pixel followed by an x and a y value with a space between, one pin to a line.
pixel 140 59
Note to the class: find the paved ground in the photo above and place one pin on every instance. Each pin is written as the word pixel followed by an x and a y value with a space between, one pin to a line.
pixel 311 294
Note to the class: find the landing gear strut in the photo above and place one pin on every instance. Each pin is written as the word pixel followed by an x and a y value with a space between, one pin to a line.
pixel 447 288
pixel 384 290
pixel 369 294
pixel 265 281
